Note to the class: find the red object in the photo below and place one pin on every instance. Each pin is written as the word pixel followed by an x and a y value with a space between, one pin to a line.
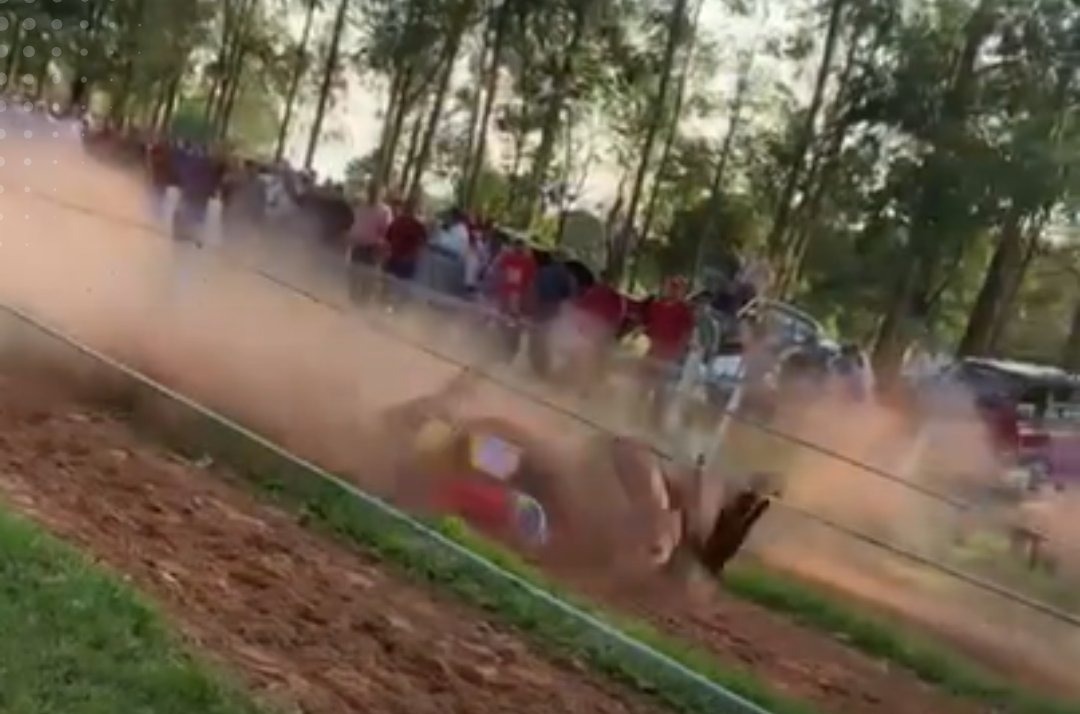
pixel 405 237
pixel 604 304
pixel 485 504
pixel 515 272
pixel 160 166
pixel 669 324
pixel 1004 425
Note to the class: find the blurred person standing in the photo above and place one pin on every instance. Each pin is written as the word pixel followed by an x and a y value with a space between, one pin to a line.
pixel 198 178
pixel 553 287
pixel 599 314
pixel 406 237
pixel 512 276
pixel 367 242
pixel 159 164
pixel 668 322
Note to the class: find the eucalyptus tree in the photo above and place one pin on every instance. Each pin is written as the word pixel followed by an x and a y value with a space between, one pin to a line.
pixel 330 70
pixel 1036 160
pixel 301 63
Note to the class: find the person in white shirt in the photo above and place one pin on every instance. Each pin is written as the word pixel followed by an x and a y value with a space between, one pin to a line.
pixel 454 234
pixel 367 244
pixel 447 263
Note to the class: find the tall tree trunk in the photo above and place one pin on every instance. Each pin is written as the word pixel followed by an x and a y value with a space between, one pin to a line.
pixel 119 108
pixel 491 87
pixel 327 83
pixel 716 190
pixel 218 85
pixel 475 107
pixel 211 100
pixel 908 302
pixel 80 83
pixel 12 41
pixel 131 23
pixel 1007 258
pixel 299 66
pixel 659 107
pixel 239 49
pixel 778 233
pixel 157 108
pixel 1070 356
pixel 1010 260
pixel 40 80
pixel 230 103
pixel 170 103
pixel 820 175
pixel 393 117
pixel 11 67
pixel 412 150
pixel 1015 281
pixel 673 128
pixel 420 168
pixel 549 127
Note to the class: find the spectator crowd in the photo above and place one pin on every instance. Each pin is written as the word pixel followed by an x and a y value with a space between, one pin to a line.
pixel 555 310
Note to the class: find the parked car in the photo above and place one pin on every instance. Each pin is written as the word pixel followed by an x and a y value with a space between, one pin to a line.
pixel 1032 413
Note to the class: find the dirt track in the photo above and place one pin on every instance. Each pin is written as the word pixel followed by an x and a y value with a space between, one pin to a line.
pixel 303 620
pixel 307 378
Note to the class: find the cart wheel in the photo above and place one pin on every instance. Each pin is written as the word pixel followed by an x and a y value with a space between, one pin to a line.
pixel 530 520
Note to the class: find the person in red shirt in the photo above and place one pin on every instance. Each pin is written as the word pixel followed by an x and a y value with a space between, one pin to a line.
pixel 515 271
pixel 605 307
pixel 669 325
pixel 598 315
pixel 512 277
pixel 405 238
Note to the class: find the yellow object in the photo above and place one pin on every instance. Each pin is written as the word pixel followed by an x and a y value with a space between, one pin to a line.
pixel 434 436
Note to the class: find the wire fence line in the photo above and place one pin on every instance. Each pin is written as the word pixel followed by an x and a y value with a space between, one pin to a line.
pixel 485 373
pixel 595 632
pixel 461 306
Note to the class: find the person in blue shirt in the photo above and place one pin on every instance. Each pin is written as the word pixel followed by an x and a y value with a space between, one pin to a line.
pixel 553 286
pixel 199 176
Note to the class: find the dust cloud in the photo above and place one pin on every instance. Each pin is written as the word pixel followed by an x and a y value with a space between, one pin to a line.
pixel 949 454
pixel 80 249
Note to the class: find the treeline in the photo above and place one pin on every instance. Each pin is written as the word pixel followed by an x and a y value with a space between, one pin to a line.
pixel 908 167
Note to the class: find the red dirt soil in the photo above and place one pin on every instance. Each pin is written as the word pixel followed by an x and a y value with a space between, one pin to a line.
pixel 309 622
pixel 305 621
pixel 799 662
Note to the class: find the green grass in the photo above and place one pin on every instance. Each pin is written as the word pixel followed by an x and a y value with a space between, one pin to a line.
pixel 326 506
pixel 75 641
pixel 704 663
pixel 884 639
pixel 561 635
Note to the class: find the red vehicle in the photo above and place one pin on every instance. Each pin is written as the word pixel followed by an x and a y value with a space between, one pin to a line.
pixel 507 483
pixel 1033 415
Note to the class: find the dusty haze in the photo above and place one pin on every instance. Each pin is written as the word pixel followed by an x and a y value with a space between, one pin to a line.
pixel 79 248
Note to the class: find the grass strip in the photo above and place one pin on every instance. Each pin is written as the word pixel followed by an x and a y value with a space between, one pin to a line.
pixel 877 636
pixel 561 634
pixel 324 505
pixel 327 506
pixel 330 507
pixel 318 501
pixel 78 641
